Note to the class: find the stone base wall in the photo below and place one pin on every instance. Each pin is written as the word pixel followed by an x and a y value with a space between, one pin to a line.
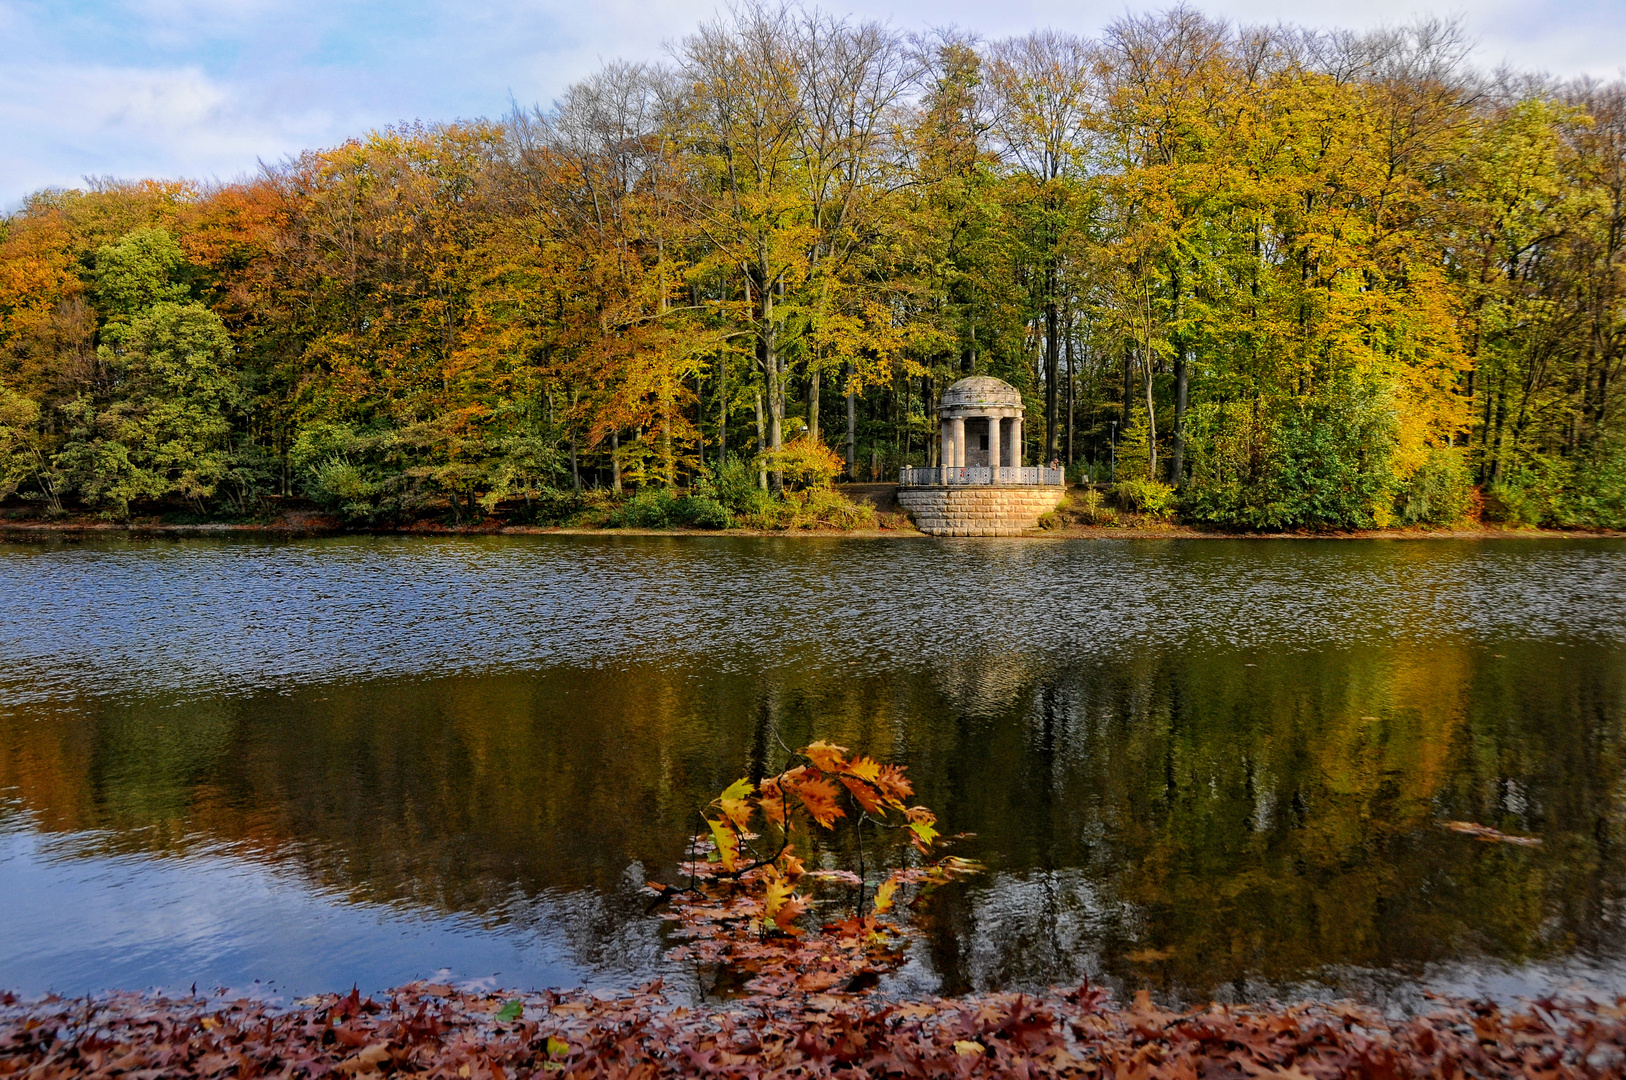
pixel 974 510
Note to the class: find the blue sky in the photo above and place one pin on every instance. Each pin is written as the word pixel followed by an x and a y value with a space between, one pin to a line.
pixel 206 88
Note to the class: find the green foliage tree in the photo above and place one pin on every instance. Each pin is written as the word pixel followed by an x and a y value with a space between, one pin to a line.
pixel 137 272
pixel 169 430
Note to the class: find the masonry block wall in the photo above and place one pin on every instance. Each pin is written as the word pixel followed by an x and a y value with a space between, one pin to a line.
pixel 976 510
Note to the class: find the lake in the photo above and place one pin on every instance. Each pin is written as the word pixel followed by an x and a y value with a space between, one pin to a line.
pixel 1210 768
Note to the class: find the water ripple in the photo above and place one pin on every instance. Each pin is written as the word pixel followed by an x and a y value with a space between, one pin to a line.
pixel 230 616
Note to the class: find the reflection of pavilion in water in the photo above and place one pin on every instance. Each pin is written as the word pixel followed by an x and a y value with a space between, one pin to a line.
pixel 979 486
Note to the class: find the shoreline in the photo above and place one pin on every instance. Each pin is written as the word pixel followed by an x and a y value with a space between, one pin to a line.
pixel 312 526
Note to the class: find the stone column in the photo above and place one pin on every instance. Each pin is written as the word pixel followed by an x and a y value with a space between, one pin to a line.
pixel 1016 441
pixel 957 431
pixel 993 449
pixel 945 456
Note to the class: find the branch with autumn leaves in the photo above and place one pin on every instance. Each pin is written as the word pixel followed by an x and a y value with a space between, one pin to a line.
pixel 743 903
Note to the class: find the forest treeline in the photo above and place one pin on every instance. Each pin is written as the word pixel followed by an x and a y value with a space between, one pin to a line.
pixel 1302 278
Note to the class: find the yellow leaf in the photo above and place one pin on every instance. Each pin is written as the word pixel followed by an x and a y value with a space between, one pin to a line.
pixel 967 1047
pixel 921 823
pixel 778 890
pixel 728 844
pixel 865 768
pixel 737 811
pixel 557 1047
pixel 883 895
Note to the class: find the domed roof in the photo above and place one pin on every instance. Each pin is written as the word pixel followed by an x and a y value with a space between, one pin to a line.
pixel 981 391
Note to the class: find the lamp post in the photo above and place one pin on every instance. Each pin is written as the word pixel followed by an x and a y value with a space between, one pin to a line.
pixel 1112 443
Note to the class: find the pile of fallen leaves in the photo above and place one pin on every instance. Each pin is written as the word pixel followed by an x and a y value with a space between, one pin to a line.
pixel 436 1031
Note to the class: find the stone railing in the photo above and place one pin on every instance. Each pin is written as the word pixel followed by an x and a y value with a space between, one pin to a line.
pixel 1038 475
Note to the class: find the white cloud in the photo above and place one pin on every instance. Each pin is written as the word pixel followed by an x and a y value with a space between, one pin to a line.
pixel 66 122
pixel 208 87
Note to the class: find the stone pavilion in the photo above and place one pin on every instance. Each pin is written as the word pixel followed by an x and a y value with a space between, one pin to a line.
pixel 979 486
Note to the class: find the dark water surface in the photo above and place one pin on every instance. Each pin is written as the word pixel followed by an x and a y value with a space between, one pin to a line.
pixel 1204 767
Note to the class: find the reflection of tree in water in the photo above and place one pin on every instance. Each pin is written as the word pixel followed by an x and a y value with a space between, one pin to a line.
pixel 1196 822
pixel 1250 826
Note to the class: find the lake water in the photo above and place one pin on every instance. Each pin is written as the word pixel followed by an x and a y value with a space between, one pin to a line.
pixel 1210 768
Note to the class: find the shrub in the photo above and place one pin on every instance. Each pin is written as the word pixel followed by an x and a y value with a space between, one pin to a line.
pixel 664 508
pixel 1152 498
pixel 824 508
pixel 1512 505
pixel 1439 492
pixel 1049 520
pixel 815 508
pixel 733 485
pixel 650 508
pixel 1587 491
pixel 805 462
pixel 706 513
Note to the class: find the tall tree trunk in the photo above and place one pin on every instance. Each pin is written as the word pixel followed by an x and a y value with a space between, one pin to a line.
pixel 1071 379
pixel 852 426
pixel 722 411
pixel 768 334
pixel 1177 453
pixel 813 405
pixel 762 468
pixel 668 463
pixel 699 426
pixel 1052 367
pixel 1129 388
pixel 1496 441
pixel 575 467
pixel 1151 419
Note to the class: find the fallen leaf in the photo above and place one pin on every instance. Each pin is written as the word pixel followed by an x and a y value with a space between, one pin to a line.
pixel 1490 835
pixel 365 1060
